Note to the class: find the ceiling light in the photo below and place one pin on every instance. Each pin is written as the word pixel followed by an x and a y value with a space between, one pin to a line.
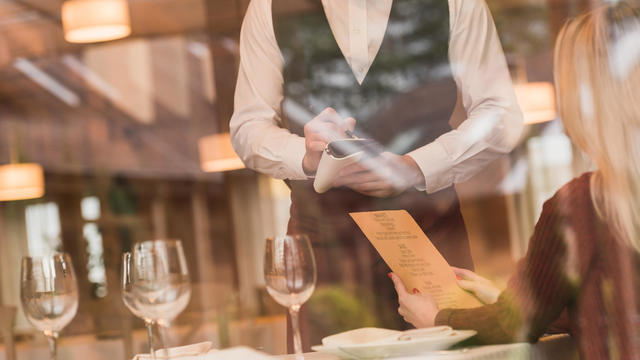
pixel 21 181
pixel 537 101
pixel 216 154
pixel 89 21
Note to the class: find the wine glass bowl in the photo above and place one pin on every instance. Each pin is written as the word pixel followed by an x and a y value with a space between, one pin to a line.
pixel 290 276
pixel 127 287
pixel 49 294
pixel 161 286
pixel 289 271
pixel 155 282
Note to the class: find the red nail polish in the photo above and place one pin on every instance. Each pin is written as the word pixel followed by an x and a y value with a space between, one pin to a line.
pixel 416 291
pixel 390 276
pixel 458 277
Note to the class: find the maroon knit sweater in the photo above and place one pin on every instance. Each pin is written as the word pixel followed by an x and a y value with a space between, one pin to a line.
pixel 573 263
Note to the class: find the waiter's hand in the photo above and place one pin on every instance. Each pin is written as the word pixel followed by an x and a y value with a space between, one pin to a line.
pixel 383 176
pixel 325 127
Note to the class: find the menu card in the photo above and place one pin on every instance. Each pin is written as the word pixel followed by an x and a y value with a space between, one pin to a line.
pixel 412 256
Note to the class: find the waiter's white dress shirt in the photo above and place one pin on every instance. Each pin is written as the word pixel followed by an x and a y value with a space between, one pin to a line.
pixel 494 121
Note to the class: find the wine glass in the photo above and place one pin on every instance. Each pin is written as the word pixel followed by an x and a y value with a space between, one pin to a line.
pixel 49 294
pixel 290 276
pixel 155 283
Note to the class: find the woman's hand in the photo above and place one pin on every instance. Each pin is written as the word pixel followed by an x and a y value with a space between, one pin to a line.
pixel 418 309
pixel 484 289
pixel 383 176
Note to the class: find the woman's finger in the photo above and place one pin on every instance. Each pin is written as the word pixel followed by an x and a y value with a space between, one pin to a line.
pixel 462 272
pixel 469 285
pixel 469 275
pixel 399 285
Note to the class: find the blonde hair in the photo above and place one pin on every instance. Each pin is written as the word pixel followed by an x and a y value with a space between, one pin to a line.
pixel 597 75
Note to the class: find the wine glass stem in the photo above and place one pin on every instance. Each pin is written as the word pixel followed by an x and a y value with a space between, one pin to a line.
pixel 163 330
pixel 52 338
pixel 152 350
pixel 294 312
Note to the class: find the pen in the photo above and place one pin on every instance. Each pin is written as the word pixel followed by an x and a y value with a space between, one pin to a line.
pixel 350 134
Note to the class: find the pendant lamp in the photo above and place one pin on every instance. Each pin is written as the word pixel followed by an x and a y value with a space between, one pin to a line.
pixel 21 181
pixel 89 21
pixel 537 101
pixel 217 155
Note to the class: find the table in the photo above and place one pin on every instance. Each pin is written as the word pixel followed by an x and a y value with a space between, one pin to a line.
pixel 268 334
pixel 549 347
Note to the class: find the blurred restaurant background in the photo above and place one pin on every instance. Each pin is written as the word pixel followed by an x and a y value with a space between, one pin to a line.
pixel 125 140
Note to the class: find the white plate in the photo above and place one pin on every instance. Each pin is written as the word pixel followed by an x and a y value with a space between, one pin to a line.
pixel 417 346
pixel 332 351
pixel 360 336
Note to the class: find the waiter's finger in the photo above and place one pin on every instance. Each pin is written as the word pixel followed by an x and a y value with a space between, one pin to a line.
pixel 330 115
pixel 330 131
pixel 356 181
pixel 323 136
pixel 351 123
pixel 353 169
pixel 323 127
pixel 382 193
pixel 371 187
pixel 356 178
pixel 377 162
pixel 362 173
pixel 317 145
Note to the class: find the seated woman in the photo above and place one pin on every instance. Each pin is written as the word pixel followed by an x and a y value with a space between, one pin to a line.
pixel 584 255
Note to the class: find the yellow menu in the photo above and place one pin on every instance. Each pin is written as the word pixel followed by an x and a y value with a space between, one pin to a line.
pixel 412 256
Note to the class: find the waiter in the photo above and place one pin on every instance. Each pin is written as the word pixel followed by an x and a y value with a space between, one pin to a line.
pixel 389 70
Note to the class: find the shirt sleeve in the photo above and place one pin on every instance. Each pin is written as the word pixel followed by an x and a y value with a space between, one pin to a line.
pixel 494 121
pixel 256 133
pixel 545 282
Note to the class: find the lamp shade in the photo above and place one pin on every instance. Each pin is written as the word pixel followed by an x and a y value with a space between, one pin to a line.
pixel 21 182
pixel 216 154
pixel 88 21
pixel 537 101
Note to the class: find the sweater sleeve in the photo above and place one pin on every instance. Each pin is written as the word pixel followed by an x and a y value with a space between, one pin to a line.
pixel 545 280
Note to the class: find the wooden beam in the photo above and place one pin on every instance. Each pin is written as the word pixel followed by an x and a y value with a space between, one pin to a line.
pixel 31 28
pixel 160 17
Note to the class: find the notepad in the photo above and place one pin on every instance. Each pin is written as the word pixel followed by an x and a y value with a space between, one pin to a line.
pixel 411 255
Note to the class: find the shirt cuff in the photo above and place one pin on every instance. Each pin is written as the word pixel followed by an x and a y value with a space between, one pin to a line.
pixel 442 318
pixel 292 155
pixel 434 162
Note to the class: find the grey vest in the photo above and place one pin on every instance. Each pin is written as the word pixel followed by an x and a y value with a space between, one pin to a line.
pixel 405 102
